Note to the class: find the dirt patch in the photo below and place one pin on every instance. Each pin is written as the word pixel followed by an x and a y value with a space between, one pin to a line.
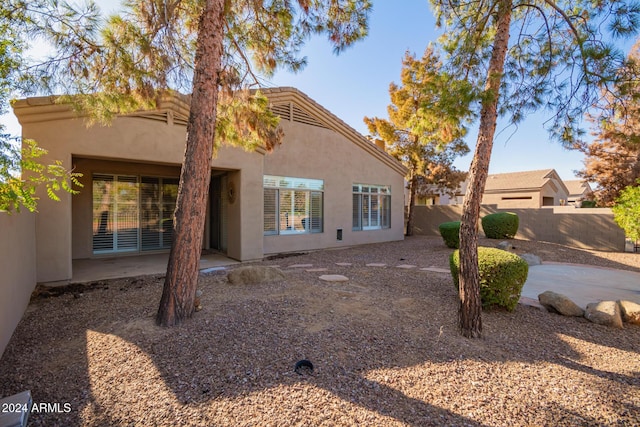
pixel 384 345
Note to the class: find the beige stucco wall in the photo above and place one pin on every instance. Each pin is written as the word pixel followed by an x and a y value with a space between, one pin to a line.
pixel 18 266
pixel 517 199
pixel 567 225
pixel 319 153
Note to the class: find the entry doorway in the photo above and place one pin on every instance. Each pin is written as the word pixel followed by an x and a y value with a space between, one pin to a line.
pixel 218 211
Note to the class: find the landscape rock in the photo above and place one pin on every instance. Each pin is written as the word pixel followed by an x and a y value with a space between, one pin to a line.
pixel 531 259
pixel 505 246
pixel 254 274
pixel 604 313
pixel 334 278
pixel 561 304
pixel 630 312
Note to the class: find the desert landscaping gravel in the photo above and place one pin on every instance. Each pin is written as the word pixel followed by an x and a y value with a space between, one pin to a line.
pixel 384 345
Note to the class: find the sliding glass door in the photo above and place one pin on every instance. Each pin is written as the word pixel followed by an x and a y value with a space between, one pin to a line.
pixel 132 213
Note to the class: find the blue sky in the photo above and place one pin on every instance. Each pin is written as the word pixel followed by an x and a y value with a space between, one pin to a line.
pixel 355 84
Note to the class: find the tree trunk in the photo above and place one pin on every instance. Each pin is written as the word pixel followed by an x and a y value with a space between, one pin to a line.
pixel 470 320
pixel 178 296
pixel 412 203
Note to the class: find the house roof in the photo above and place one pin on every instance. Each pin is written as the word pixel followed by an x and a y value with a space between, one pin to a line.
pixel 521 181
pixel 578 188
pixel 287 102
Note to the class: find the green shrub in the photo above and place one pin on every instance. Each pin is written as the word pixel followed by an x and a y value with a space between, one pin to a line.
pixel 626 211
pixel 588 204
pixel 450 232
pixel 501 225
pixel 502 276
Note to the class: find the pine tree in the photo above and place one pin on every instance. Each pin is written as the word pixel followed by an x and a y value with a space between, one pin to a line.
pixel 425 126
pixel 526 56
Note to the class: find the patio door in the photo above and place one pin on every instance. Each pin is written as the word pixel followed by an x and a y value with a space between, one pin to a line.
pixel 157 203
pixel 132 214
pixel 115 213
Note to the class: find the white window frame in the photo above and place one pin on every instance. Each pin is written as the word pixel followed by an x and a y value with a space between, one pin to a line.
pixel 287 220
pixel 371 207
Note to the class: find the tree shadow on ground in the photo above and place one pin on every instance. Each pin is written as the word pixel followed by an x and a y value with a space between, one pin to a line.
pixel 384 345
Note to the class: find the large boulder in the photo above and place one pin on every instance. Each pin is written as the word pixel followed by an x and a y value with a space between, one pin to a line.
pixel 561 304
pixel 630 312
pixel 253 274
pixel 604 313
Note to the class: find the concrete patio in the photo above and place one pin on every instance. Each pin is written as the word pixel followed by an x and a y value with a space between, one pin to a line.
pixel 88 270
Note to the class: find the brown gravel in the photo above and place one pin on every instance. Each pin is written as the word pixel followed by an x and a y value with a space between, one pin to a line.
pixel 384 344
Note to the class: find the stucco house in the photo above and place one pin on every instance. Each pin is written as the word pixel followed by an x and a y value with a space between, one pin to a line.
pixel 527 189
pixel 325 186
pixel 441 197
pixel 578 191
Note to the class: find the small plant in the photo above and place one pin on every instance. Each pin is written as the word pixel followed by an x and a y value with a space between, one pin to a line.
pixel 450 232
pixel 588 204
pixel 501 225
pixel 502 276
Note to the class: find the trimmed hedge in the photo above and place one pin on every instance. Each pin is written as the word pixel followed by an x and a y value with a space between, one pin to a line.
pixel 450 232
pixel 500 225
pixel 502 276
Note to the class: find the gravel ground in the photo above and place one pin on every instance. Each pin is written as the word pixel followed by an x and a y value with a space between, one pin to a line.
pixel 385 347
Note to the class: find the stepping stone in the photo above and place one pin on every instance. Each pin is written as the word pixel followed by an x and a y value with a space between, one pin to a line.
pixel 405 266
pixel 212 269
pixel 375 264
pixel 436 270
pixel 313 270
pixel 300 266
pixel 343 264
pixel 334 278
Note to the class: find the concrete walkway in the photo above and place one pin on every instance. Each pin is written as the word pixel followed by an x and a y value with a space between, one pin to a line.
pixel 582 284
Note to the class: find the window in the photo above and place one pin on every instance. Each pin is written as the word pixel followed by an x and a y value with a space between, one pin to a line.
pixel 132 213
pixel 371 207
pixel 292 205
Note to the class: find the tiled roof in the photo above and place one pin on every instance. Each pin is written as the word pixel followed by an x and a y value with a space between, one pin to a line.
pixel 577 187
pixel 519 180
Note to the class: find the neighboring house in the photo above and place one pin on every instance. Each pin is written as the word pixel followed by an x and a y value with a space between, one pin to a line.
pixel 324 186
pixel 439 197
pixel 528 189
pixel 578 191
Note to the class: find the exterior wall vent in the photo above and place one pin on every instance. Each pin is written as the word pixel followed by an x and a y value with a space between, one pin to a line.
pixel 290 111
